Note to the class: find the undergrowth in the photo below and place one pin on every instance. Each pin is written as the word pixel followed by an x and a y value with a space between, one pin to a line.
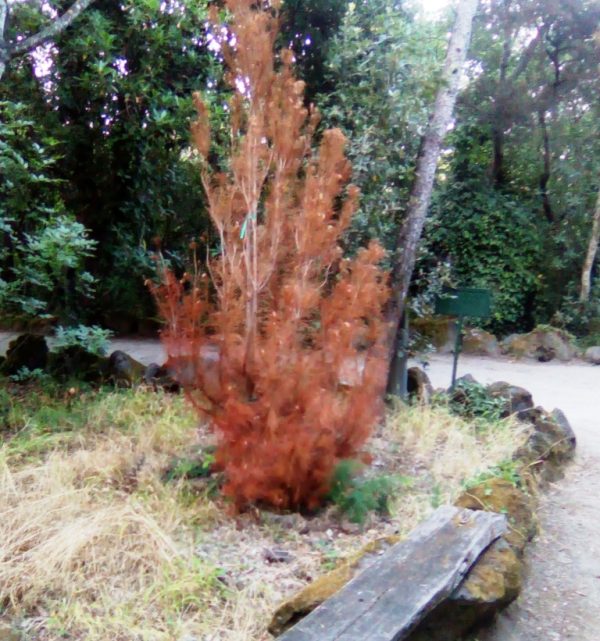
pixel 134 543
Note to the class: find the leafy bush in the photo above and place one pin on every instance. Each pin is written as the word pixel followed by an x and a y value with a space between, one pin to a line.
pixel 356 497
pixel 25 375
pixel 279 340
pixel 43 248
pixel 93 339
pixel 472 400
pixel 489 240
pixel 506 470
pixel 48 275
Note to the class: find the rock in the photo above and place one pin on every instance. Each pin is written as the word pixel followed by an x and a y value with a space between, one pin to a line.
pixel 479 342
pixel 495 579
pixel 543 343
pixel 77 362
pixel 592 355
pixel 439 332
pixel 418 385
pixel 492 583
pixel 327 585
pixel 124 369
pixel 278 555
pixel 551 445
pixel 517 399
pixel 27 350
pixel 158 377
pixel 499 495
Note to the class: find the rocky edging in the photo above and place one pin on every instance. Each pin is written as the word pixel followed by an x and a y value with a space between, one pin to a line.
pixel 30 352
pixel 495 579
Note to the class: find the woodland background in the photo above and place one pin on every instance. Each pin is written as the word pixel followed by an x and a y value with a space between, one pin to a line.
pixel 97 171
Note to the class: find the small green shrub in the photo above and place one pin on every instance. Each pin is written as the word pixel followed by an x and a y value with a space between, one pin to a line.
pixel 506 470
pixel 93 339
pixel 26 375
pixel 192 468
pixel 356 497
pixel 471 400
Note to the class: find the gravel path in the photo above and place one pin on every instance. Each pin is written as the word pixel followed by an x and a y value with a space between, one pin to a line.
pixel 561 596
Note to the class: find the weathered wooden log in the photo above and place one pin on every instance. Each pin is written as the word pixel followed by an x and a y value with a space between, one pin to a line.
pixel 388 600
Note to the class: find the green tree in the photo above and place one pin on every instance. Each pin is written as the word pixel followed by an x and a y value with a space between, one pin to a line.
pixel 383 68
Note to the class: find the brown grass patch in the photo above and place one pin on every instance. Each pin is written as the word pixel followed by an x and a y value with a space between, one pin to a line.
pixel 96 545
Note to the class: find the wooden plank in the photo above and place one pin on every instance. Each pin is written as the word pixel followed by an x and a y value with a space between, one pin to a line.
pixel 388 599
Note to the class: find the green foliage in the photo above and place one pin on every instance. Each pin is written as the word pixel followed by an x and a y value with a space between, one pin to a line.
pixel 505 470
pixel 382 82
pixel 357 496
pixel 25 375
pixel 471 400
pixel 44 248
pixel 119 86
pixel 489 240
pixel 48 275
pixel 309 27
pixel 192 468
pixel 93 339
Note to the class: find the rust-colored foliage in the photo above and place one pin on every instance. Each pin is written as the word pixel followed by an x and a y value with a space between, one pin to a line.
pixel 280 340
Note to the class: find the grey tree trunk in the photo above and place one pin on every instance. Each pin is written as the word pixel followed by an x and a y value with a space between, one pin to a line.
pixel 8 51
pixel 586 272
pixel 410 233
pixel 3 25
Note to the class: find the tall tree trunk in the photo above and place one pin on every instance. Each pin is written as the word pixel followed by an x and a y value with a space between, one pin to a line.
pixel 420 197
pixel 586 272
pixel 545 176
pixel 499 114
pixel 3 43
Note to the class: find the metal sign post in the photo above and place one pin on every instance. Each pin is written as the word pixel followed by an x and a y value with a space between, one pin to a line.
pixel 463 302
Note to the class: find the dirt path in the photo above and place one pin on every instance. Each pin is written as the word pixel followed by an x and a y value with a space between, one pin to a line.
pixel 561 597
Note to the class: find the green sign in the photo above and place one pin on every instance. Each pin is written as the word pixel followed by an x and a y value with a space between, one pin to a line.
pixel 464 301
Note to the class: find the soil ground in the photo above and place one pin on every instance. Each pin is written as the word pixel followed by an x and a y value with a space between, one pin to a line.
pixel 561 597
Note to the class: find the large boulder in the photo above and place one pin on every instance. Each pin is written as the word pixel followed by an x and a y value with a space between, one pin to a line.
pixel 491 584
pixel 499 495
pixel 517 400
pixel 543 343
pixel 592 355
pixel 125 370
pixel 438 332
pixel 418 385
pixel 550 446
pixel 75 362
pixel 29 351
pixel 479 342
pixel 158 377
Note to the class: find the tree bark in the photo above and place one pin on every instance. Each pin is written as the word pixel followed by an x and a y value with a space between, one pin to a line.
pixel 3 25
pixel 57 26
pixel 586 272
pixel 410 233
pixel 545 175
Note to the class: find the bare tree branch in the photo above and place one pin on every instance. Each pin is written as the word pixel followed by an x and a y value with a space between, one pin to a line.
pixel 53 29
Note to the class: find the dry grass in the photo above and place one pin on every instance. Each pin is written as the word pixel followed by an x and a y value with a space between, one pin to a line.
pixel 96 545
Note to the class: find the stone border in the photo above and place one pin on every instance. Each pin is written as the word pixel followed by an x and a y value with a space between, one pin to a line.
pixel 495 578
